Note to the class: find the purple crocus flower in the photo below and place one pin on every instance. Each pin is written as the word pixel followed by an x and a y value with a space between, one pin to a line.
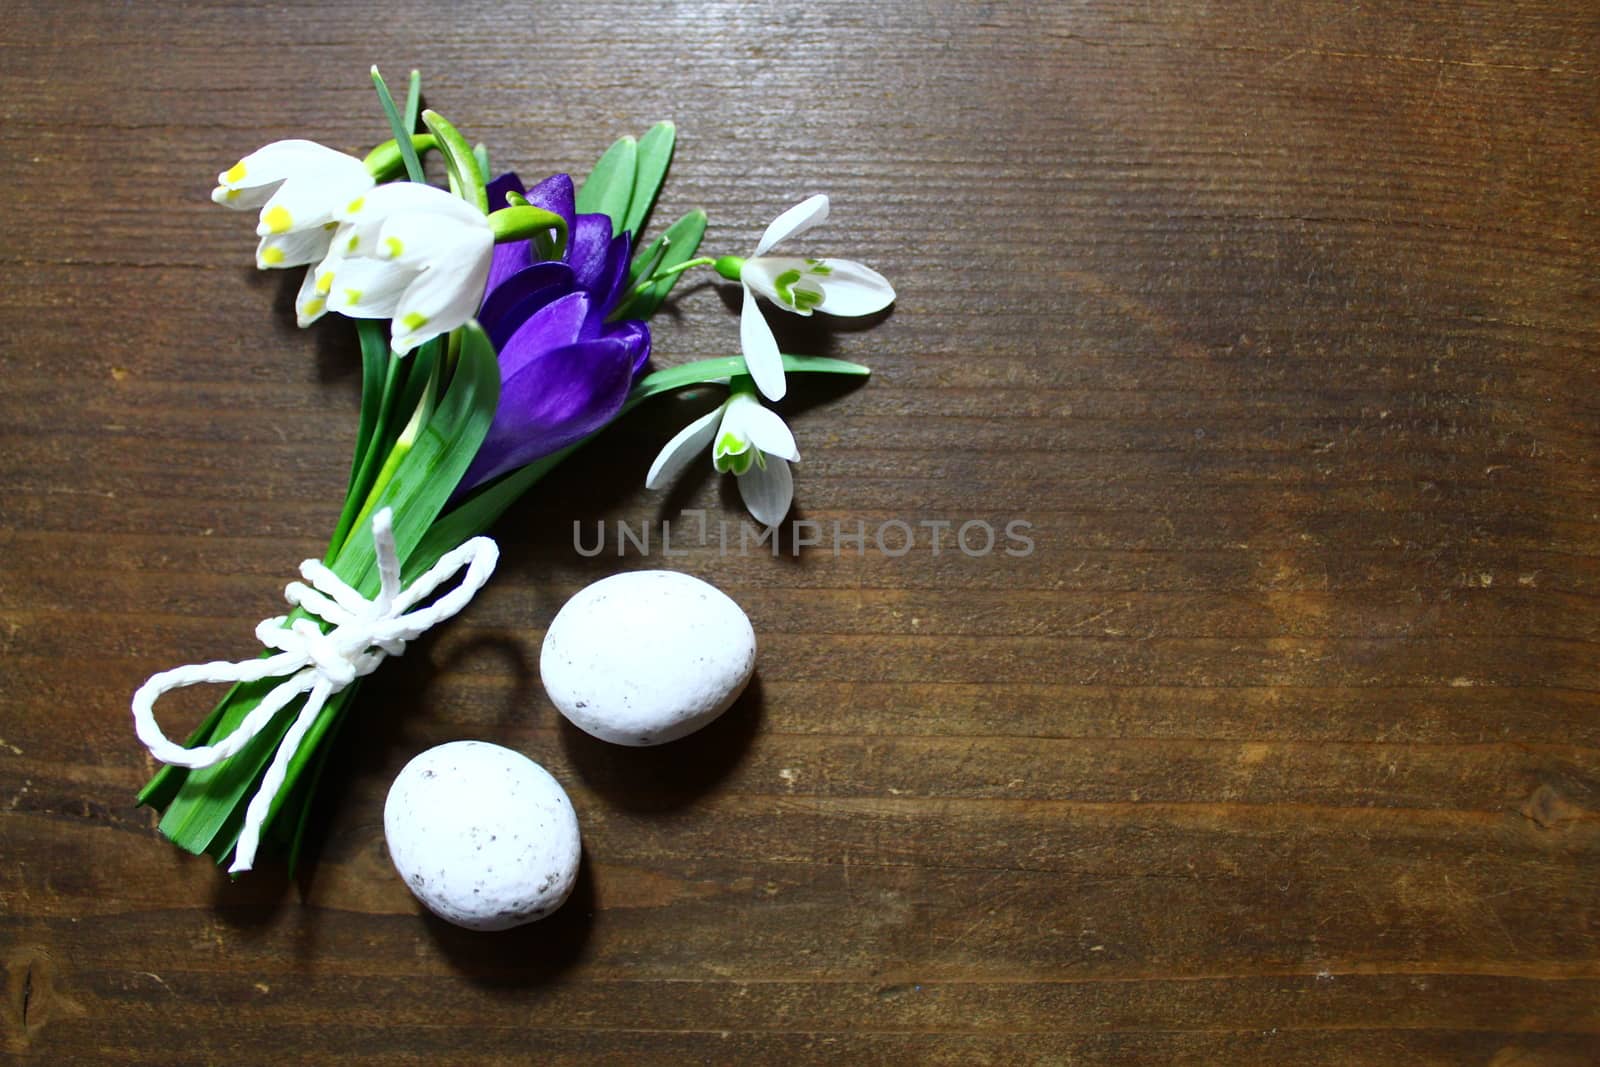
pixel 564 370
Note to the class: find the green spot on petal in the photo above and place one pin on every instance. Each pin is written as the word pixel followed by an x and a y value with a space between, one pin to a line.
pixel 783 283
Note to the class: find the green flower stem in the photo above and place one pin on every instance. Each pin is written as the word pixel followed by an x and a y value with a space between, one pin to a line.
pixel 460 164
pixel 387 160
pixel 523 221
pixel 668 272
pixel 730 267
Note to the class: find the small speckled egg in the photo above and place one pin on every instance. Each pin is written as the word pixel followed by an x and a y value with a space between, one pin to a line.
pixel 647 657
pixel 482 835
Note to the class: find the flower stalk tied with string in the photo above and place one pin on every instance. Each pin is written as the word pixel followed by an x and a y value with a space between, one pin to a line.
pixel 501 327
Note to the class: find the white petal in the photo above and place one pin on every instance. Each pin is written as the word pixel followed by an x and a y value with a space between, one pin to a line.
pixel 310 199
pixel 444 295
pixel 310 304
pixel 418 238
pixel 276 161
pixel 241 199
pixel 761 356
pixel 684 446
pixel 798 219
pixel 768 491
pixel 852 288
pixel 762 274
pixel 396 197
pixel 762 427
pixel 280 250
pixel 249 182
pixel 368 288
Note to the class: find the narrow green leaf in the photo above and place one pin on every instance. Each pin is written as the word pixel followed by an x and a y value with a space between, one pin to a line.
pixel 479 511
pixel 413 100
pixel 402 132
pixel 654 153
pixel 209 795
pixel 379 380
pixel 682 240
pixel 300 805
pixel 160 790
pixel 702 371
pixel 375 375
pixel 609 187
pixel 439 456
pixel 419 372
pixel 686 231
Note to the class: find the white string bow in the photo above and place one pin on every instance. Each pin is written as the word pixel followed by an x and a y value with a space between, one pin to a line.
pixel 364 633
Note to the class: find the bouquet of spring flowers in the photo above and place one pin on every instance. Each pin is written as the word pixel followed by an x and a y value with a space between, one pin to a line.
pixel 501 326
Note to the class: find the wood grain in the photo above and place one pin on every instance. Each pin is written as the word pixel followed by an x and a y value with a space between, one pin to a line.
pixel 1275 322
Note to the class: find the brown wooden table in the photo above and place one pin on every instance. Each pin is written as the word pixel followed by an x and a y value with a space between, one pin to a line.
pixel 1277 323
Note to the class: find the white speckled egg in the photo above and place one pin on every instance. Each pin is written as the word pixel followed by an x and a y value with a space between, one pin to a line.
pixel 646 657
pixel 482 835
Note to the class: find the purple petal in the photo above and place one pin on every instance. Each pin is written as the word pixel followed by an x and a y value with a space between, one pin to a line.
pixel 507 260
pixel 556 324
pixel 587 246
pixel 636 335
pixel 497 190
pixel 560 396
pixel 555 194
pixel 607 289
pixel 510 304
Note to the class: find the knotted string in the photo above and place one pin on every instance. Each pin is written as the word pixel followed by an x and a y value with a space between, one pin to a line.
pixel 364 633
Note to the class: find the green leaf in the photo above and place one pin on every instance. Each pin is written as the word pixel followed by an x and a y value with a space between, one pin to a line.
pixel 682 241
pixel 380 373
pixel 207 809
pixel 413 100
pixel 160 790
pixel 440 455
pixel 419 372
pixel 609 187
pixel 208 795
pixel 402 132
pixel 480 510
pixel 460 164
pixel 385 161
pixel 703 371
pixel 655 152
pixel 305 795
pixel 376 372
